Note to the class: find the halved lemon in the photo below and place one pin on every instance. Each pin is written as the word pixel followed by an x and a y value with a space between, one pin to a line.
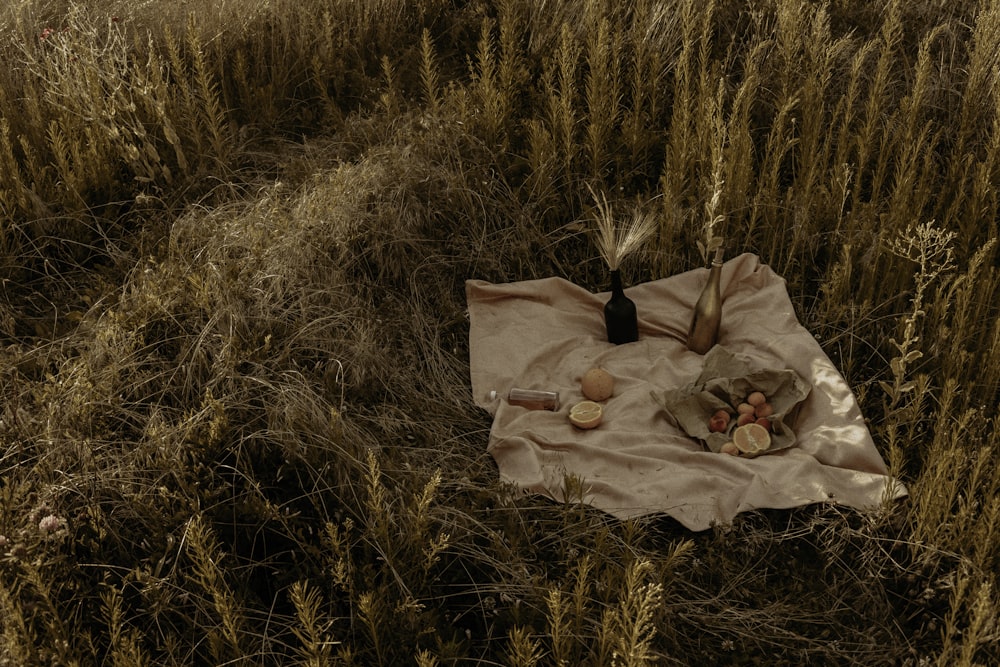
pixel 586 414
pixel 752 439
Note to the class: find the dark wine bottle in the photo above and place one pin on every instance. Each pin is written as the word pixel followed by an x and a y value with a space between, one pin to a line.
pixel 620 314
pixel 707 318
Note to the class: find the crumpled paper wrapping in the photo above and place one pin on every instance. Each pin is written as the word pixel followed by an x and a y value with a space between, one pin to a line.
pixel 724 382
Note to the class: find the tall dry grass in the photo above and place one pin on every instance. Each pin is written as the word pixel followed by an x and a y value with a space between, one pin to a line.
pixel 236 426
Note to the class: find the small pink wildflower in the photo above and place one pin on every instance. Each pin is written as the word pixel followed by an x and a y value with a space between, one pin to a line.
pixel 50 524
pixel 46 33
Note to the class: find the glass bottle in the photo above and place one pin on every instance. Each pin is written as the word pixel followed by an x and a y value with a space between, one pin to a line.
pixel 620 314
pixel 533 399
pixel 704 331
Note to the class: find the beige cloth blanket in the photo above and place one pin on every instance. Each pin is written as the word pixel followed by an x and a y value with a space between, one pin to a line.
pixel 544 334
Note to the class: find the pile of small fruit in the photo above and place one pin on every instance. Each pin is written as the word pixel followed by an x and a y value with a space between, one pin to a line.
pixel 753 425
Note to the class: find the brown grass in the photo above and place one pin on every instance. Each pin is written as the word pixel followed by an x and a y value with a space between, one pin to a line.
pixel 236 425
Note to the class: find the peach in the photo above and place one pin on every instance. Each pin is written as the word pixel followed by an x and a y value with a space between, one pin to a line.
pixel 756 398
pixel 719 422
pixel 745 418
pixel 764 410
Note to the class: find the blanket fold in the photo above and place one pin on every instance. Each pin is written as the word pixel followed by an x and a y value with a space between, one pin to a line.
pixel 545 334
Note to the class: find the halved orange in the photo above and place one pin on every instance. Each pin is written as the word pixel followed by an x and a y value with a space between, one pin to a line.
pixel 586 414
pixel 752 439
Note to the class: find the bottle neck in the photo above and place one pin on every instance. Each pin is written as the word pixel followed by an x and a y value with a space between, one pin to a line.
pixel 717 259
pixel 616 281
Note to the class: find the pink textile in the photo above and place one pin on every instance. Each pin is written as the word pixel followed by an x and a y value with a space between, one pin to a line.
pixel 544 334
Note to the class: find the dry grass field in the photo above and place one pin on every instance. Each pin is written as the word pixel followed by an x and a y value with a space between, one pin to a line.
pixel 235 418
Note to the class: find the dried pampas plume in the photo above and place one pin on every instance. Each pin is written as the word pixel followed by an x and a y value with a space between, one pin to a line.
pixel 713 218
pixel 616 244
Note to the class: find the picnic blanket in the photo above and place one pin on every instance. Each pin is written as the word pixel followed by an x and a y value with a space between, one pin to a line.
pixel 545 334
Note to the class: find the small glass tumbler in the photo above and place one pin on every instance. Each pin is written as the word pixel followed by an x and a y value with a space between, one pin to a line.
pixel 532 399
